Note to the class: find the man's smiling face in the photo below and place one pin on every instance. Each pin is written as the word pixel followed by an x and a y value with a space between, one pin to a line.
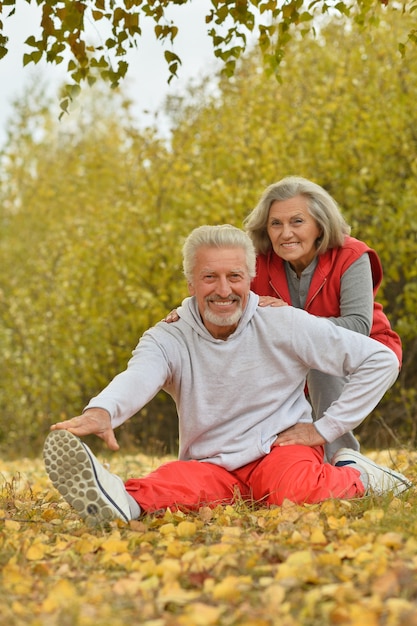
pixel 221 286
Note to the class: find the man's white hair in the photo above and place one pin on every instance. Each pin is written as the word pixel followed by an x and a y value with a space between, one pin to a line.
pixel 219 236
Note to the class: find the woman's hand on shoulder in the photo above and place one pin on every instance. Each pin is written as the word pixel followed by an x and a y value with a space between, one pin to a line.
pixel 171 317
pixel 271 301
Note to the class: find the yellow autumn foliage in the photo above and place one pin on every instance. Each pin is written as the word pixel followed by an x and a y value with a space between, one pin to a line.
pixel 322 565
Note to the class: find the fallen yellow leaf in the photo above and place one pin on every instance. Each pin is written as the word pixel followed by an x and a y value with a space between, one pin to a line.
pixel 273 597
pixel 226 589
pixel 200 614
pixel 10 524
pixel 87 544
pixel 186 529
pixel 129 585
pixel 318 536
pixel 63 593
pixel 36 551
pixel 391 540
pixel 15 578
pixel 115 546
pixel 167 529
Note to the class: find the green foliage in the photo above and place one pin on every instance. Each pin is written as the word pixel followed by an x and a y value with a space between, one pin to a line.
pixel 93 36
pixel 93 213
pixel 79 282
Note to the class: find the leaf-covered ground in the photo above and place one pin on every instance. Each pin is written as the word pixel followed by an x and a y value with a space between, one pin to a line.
pixel 341 562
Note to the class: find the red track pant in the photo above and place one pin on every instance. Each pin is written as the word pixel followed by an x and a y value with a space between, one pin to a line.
pixel 295 473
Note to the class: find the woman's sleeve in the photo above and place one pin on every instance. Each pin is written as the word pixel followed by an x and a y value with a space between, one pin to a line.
pixel 356 297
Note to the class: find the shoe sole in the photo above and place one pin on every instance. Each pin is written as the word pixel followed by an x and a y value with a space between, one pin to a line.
pixel 405 483
pixel 71 471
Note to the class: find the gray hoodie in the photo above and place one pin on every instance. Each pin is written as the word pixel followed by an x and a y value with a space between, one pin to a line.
pixel 234 396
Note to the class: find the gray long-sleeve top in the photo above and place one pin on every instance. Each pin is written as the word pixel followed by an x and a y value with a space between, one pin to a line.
pixel 234 396
pixel 356 293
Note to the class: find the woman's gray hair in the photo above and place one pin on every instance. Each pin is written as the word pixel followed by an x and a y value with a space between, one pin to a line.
pixel 219 236
pixel 321 206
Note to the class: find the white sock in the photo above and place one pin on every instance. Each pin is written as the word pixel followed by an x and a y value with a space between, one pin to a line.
pixel 134 507
pixel 364 475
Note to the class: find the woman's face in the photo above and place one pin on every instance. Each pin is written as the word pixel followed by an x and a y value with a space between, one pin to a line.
pixel 293 232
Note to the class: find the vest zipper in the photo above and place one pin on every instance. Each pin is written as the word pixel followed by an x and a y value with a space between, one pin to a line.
pixel 315 294
pixel 277 292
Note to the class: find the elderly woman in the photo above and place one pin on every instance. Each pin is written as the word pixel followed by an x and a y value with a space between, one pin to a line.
pixel 307 259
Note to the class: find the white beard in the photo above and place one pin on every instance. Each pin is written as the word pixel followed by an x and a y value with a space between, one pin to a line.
pixel 220 320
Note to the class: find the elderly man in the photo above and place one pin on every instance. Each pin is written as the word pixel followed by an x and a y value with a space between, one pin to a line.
pixel 236 372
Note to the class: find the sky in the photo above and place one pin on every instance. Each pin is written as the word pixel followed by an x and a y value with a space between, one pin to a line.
pixel 146 81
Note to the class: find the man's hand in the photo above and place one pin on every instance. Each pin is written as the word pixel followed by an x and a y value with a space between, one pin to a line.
pixel 91 422
pixel 300 434
pixel 270 301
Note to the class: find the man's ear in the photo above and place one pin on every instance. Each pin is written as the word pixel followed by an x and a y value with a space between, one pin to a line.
pixel 191 289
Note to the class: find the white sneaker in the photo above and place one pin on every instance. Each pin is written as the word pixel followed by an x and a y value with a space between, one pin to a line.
pixel 94 492
pixel 380 479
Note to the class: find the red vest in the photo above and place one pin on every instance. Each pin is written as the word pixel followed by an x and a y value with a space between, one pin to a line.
pixel 323 298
